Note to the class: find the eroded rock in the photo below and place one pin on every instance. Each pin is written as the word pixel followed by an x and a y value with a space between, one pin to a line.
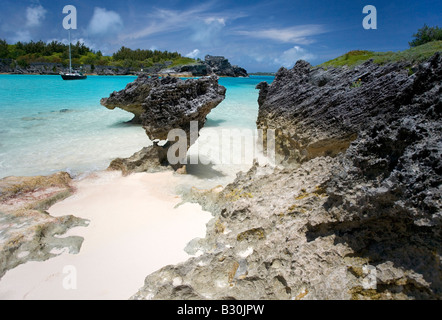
pixel 163 105
pixel 27 231
pixel 361 221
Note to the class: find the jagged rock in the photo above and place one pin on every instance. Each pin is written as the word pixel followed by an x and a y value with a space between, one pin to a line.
pixel 28 233
pixel 162 105
pixel 132 97
pixel 150 159
pixel 222 67
pixel 354 220
pixel 197 70
pixel 212 65
pixel 320 112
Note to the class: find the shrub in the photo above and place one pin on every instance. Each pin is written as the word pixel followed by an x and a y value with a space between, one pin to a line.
pixel 426 34
pixel 4 50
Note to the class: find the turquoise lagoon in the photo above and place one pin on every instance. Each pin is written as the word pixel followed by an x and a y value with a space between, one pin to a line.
pixel 49 125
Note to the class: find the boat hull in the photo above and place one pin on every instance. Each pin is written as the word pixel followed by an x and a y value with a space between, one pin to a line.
pixel 73 77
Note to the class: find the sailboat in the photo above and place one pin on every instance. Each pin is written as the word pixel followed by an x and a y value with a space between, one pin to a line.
pixel 72 74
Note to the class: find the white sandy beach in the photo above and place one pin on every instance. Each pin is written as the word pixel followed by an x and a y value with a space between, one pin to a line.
pixel 134 230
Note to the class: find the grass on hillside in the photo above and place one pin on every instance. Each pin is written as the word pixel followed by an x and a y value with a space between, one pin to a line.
pixel 182 61
pixel 414 55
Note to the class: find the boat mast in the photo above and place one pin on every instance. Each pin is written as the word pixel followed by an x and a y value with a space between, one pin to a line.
pixel 70 58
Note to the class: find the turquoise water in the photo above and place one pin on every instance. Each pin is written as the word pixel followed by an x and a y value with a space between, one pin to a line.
pixel 48 124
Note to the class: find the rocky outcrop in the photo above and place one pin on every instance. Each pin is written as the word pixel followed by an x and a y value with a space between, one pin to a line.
pixel 353 213
pixel 326 109
pixel 195 70
pixel 212 65
pixel 28 232
pixel 222 67
pixel 162 105
pixel 132 97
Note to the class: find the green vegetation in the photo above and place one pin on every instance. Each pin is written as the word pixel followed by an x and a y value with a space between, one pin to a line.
pixel 183 61
pixel 414 55
pixel 262 74
pixel 357 84
pixel 56 52
pixel 426 34
pixel 129 58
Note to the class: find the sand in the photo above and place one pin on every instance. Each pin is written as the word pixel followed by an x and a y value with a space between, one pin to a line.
pixel 134 230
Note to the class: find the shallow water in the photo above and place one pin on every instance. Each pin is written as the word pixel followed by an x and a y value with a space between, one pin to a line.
pixel 50 125
pixel 42 131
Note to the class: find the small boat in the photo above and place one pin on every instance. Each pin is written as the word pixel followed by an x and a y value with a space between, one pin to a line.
pixel 75 75
pixel 72 75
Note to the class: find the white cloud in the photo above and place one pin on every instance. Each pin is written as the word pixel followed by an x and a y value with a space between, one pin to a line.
pixel 211 20
pixel 201 19
pixel 105 22
pixel 257 57
pixel 164 20
pixel 193 54
pixel 35 15
pixel 22 36
pixel 289 57
pixel 208 31
pixel 297 34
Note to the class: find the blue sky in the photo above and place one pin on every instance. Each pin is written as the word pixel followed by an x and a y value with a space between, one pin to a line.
pixel 258 35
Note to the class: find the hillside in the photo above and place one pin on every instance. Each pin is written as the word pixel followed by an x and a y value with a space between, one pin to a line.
pixel 56 55
pixel 413 55
pixel 53 58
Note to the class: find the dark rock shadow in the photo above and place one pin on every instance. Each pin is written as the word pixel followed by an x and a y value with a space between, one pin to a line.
pixel 125 124
pixel 392 238
pixel 203 171
pixel 213 123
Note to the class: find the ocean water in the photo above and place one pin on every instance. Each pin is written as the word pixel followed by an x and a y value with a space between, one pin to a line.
pixel 49 125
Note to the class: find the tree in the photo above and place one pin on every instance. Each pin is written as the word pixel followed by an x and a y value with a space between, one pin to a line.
pixel 4 49
pixel 426 34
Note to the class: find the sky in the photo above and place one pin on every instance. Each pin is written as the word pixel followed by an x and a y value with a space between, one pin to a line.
pixel 257 35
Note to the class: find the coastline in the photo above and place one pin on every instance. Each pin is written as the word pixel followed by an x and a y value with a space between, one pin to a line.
pixel 126 238
pixel 175 75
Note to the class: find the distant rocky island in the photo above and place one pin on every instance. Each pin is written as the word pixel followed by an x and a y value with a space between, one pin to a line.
pixel 216 65
pixel 212 65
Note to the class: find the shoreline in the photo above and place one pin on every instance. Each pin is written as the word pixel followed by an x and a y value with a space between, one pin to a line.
pixel 135 227
pixel 89 75
pixel 134 221
pixel 180 75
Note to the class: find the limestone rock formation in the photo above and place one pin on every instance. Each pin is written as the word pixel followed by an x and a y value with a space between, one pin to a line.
pixel 162 105
pixel 222 67
pixel 212 65
pixel 28 233
pixel 196 70
pixel 353 213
